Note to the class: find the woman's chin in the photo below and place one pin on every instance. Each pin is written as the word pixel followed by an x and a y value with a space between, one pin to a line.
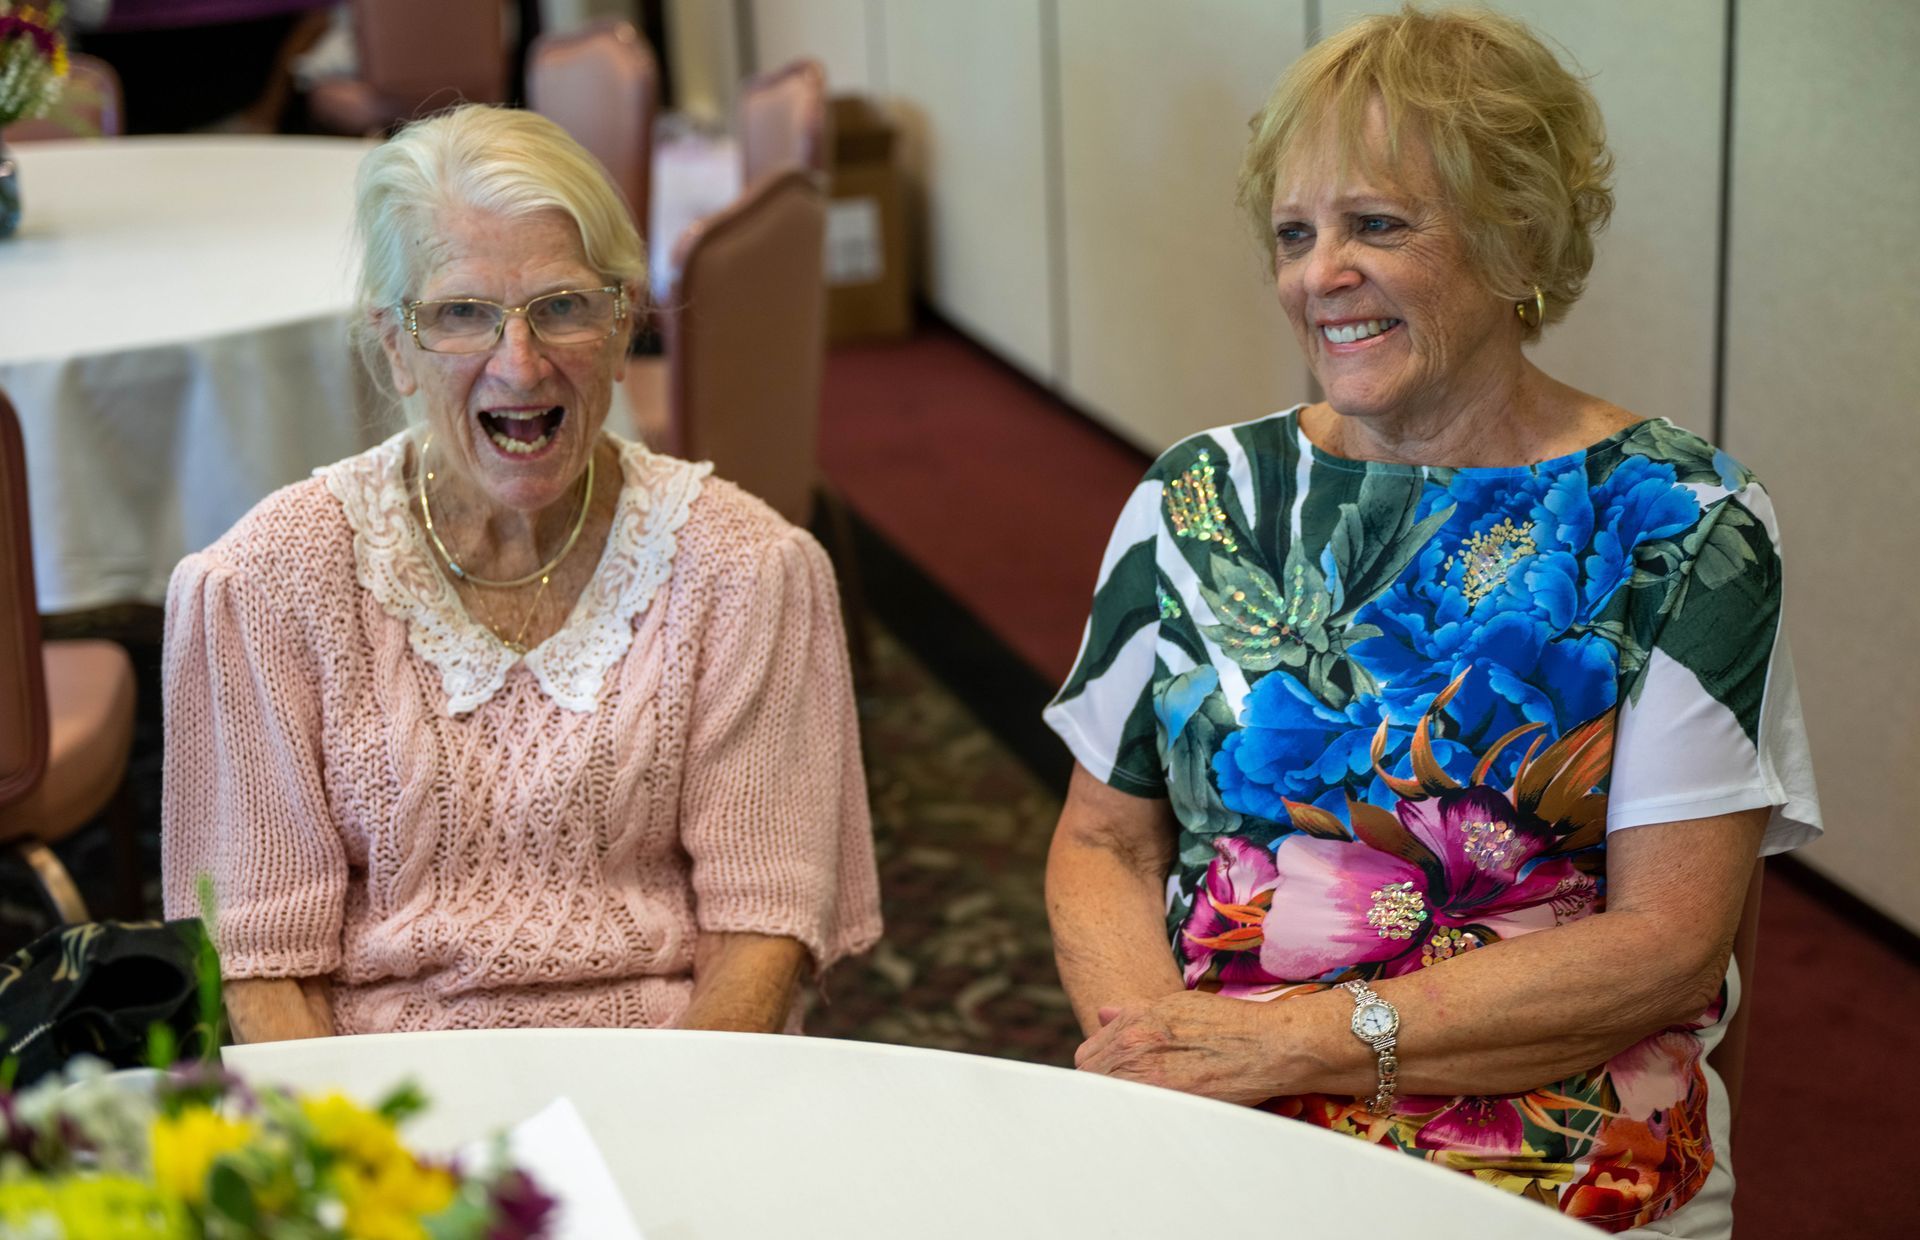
pixel 528 478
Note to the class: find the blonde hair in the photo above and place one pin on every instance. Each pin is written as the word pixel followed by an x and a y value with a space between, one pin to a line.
pixel 1517 141
pixel 500 160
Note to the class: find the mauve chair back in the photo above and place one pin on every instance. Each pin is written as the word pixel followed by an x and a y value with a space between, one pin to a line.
pixel 783 122
pixel 429 54
pixel 23 687
pixel 602 85
pixel 92 97
pixel 746 341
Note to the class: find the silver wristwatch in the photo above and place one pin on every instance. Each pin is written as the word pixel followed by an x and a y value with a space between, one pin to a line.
pixel 1377 1023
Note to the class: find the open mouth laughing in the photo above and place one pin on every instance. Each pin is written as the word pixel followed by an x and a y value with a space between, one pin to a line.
pixel 522 431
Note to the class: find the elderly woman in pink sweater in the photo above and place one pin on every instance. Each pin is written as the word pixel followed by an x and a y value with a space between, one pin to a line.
pixel 507 721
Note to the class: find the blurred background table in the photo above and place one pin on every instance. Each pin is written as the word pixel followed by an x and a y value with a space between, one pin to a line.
pixel 174 335
pixel 723 1135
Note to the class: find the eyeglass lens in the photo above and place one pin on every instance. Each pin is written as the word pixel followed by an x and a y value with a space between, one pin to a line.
pixel 464 326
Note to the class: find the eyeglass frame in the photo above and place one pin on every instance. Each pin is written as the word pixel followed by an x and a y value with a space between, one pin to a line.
pixel 409 311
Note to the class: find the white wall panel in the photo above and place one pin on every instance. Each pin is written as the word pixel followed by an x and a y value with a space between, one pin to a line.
pixel 965 82
pixel 1172 324
pixel 1643 336
pixel 840 34
pixel 1823 380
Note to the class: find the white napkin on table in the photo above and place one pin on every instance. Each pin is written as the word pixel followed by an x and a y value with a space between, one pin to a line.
pixel 555 1148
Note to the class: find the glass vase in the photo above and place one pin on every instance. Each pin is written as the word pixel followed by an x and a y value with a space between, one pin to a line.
pixel 9 193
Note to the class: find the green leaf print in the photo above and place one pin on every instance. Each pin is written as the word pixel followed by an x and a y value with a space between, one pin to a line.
pixel 1722 621
pixel 1694 460
pixel 1190 787
pixel 1376 536
pixel 1263 625
pixel 1721 548
pixel 1124 605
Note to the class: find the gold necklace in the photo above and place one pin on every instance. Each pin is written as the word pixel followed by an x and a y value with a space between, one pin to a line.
pixel 516 643
pixel 453 565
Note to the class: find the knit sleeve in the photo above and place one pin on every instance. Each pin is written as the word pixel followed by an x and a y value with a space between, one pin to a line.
pixel 243 801
pixel 775 814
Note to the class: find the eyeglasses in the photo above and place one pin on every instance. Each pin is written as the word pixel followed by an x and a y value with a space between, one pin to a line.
pixel 474 325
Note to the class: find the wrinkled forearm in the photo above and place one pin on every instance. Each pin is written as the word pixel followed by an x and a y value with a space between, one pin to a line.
pixel 744 982
pixel 1540 1007
pixel 1106 908
pixel 279 1009
pixel 1504 1019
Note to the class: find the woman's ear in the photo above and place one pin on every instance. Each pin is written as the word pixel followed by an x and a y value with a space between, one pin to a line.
pixel 399 352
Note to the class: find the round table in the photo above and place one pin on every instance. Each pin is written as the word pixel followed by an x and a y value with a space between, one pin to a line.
pixel 173 336
pixel 724 1135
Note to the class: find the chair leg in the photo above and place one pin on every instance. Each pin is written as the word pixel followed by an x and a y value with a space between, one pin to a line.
pixel 853 595
pixel 55 883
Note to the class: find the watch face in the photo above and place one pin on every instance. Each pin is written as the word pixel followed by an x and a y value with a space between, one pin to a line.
pixel 1374 1020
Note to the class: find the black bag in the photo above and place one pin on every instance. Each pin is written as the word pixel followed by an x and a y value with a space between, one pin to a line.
pixel 99 988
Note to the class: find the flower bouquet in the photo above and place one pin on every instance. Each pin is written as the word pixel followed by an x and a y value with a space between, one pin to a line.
pixel 33 68
pixel 196 1155
pixel 33 60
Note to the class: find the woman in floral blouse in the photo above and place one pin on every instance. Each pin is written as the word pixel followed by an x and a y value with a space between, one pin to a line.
pixel 1453 710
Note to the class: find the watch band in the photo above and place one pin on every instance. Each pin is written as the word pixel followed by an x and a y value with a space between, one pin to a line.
pixel 1382 1044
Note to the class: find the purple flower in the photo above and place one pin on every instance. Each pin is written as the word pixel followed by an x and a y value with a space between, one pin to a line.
pixel 1456 872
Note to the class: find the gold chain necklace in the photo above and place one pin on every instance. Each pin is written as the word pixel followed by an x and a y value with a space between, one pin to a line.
pixel 517 643
pixel 453 565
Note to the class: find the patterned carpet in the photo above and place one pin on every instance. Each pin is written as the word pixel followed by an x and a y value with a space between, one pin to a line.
pixel 961 829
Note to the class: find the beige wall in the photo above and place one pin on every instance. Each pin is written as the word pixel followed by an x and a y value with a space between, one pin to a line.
pixel 1170 322
pixel 843 35
pixel 965 81
pixel 1823 396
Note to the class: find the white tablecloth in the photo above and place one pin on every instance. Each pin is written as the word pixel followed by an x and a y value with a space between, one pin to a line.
pixel 738 1135
pixel 173 322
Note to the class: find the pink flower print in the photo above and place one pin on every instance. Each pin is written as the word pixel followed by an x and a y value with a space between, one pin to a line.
pixel 1447 874
pixel 1229 912
pixel 1655 1074
pixel 1485 1127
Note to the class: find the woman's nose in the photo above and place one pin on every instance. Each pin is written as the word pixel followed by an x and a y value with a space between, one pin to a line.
pixel 517 358
pixel 1330 269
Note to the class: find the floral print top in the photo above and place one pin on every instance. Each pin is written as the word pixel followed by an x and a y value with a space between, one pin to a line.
pixel 1397 710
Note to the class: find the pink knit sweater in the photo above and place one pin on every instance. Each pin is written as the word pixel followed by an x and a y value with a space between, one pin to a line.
pixel 458 838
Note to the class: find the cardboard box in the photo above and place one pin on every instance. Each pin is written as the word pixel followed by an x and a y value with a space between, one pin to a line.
pixel 869 289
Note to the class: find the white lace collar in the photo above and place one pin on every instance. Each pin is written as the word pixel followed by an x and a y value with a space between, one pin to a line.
pixel 392 562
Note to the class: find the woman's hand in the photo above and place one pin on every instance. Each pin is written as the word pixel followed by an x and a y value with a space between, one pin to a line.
pixel 1198 1043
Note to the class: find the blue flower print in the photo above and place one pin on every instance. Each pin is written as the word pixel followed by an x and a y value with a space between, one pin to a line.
pixel 1292 746
pixel 1527 555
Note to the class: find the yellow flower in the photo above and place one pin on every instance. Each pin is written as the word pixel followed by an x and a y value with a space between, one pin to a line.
pixel 348 1129
pixel 105 1207
pixel 386 1201
pixel 384 1188
pixel 186 1146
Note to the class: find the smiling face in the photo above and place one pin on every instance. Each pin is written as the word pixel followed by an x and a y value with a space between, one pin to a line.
pixel 1374 276
pixel 513 426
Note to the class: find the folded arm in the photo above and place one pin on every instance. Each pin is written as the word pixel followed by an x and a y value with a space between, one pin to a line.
pixel 1106 898
pixel 1511 1016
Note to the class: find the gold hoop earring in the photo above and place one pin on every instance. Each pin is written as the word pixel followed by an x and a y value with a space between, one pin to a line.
pixel 1539 309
